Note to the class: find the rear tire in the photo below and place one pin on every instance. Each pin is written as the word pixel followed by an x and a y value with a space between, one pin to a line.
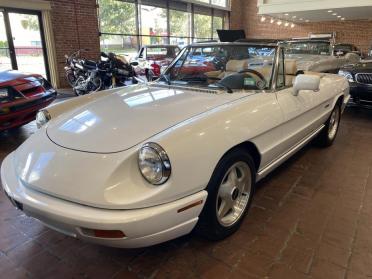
pixel 230 193
pixel 328 135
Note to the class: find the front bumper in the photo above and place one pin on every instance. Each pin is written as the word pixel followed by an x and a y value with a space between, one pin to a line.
pixel 142 227
pixel 361 92
pixel 21 113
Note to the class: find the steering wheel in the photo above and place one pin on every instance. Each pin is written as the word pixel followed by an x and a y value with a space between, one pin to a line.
pixel 258 74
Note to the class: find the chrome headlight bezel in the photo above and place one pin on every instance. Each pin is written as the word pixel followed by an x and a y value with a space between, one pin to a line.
pixel 155 172
pixel 346 75
pixel 42 118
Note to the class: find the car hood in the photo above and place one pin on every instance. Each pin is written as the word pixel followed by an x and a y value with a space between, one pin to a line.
pixel 129 116
pixel 13 78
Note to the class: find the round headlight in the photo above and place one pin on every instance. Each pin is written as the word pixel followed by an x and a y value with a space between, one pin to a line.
pixel 42 117
pixel 154 163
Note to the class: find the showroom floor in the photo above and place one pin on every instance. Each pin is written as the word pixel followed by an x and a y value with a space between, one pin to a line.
pixel 311 218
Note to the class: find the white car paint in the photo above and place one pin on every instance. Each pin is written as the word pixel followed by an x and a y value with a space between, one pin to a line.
pixel 323 63
pixel 81 172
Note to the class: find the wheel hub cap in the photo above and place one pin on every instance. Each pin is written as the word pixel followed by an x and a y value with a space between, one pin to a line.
pixel 233 194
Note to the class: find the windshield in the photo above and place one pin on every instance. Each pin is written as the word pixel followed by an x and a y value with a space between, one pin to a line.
pixel 308 47
pixel 223 67
pixel 344 47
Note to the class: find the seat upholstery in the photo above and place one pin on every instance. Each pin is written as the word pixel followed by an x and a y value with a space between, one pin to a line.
pixel 290 66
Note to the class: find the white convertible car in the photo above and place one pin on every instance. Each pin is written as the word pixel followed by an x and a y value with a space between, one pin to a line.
pixel 144 164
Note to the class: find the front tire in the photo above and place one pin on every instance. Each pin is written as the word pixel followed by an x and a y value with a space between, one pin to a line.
pixel 328 135
pixel 230 193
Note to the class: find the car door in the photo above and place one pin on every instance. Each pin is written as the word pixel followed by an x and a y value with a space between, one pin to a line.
pixel 299 112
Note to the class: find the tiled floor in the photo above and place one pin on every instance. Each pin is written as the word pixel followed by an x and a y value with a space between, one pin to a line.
pixel 312 218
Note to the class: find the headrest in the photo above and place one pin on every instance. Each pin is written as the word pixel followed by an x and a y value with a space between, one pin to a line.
pixel 236 65
pixel 290 67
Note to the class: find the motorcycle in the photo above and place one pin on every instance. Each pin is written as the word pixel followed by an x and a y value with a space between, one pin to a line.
pixel 86 76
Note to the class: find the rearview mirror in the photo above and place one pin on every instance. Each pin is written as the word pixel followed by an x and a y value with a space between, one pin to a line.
pixel 306 82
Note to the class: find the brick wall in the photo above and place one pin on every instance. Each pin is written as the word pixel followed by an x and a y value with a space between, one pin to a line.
pixel 244 15
pixel 75 26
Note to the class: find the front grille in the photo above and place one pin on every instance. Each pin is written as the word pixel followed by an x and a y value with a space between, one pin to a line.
pixel 365 78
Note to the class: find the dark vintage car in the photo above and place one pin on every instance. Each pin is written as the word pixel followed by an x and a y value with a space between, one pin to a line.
pixel 360 79
pixel 153 58
pixel 21 97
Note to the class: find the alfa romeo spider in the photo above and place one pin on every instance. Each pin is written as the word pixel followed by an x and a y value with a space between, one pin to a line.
pixel 147 163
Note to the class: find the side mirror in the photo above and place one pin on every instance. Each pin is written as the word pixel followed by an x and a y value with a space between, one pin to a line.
pixel 134 63
pixel 306 82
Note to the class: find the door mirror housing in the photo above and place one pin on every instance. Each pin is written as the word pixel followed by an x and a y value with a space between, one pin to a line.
pixel 306 82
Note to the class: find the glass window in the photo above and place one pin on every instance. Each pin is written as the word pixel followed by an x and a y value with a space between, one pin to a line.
pixel 117 17
pixel 309 47
pixel 222 3
pixel 5 63
pixel 202 26
pixel 215 66
pixel 217 24
pixel 121 45
pixel 154 40
pixel 181 42
pixel 153 22
pixel 179 23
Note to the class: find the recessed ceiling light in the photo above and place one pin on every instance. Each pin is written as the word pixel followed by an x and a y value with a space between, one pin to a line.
pixel 286 24
pixel 334 14
pixel 279 22
pixel 292 25
pixel 272 20
pixel 343 18
pixel 338 16
pixel 294 16
pixel 307 20
pixel 263 19
pixel 301 18
pixel 286 14
pixel 330 11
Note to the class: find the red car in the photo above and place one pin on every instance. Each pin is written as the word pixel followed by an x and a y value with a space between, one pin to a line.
pixel 21 97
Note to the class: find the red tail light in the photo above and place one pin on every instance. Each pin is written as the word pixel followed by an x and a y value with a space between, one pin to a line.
pixel 103 233
pixel 155 69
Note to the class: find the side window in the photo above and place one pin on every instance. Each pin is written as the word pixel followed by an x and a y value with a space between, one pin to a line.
pixel 280 81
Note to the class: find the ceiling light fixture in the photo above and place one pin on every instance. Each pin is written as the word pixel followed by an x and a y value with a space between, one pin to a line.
pixel 272 20
pixel 301 18
pixel 334 14
pixel 292 25
pixel 330 11
pixel 343 18
pixel 294 16
pixel 286 24
pixel 279 22
pixel 307 20
pixel 263 19
pixel 286 14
